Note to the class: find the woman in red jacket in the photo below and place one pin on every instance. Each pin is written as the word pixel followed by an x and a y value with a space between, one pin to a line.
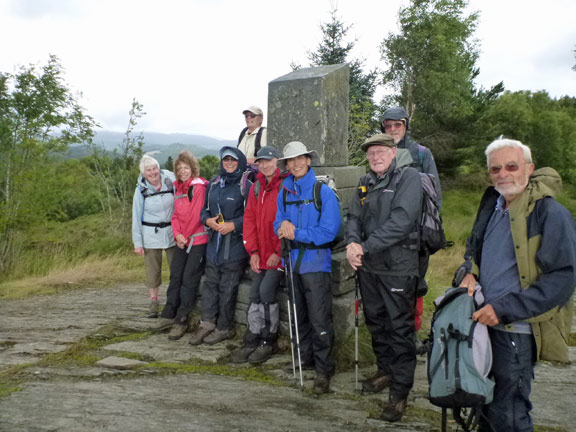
pixel 191 239
pixel 263 246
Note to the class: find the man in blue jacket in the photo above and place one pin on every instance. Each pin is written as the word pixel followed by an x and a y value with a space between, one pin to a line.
pixel 310 233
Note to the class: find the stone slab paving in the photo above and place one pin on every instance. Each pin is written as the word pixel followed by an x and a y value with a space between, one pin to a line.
pixel 94 398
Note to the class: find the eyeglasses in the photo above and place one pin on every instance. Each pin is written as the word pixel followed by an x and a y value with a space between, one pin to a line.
pixel 393 125
pixel 377 153
pixel 510 167
pixel 229 159
pixel 250 115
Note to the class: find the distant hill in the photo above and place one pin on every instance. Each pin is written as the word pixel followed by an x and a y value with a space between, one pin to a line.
pixel 160 145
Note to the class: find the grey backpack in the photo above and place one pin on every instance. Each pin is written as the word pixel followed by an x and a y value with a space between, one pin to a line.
pixel 460 357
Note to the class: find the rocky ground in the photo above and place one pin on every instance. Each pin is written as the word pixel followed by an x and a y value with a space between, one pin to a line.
pixel 50 379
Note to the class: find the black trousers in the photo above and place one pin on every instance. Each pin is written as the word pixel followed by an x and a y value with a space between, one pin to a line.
pixel 313 298
pixel 185 273
pixel 219 293
pixel 389 304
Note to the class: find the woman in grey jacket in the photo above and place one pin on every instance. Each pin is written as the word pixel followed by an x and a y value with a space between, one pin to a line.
pixel 152 209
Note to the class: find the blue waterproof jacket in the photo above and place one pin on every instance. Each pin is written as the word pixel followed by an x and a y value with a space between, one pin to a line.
pixel 310 228
pixel 226 194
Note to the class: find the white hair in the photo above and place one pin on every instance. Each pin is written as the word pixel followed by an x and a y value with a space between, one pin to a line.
pixel 147 161
pixel 502 142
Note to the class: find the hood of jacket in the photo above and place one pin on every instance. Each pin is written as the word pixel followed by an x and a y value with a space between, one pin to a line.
pixel 242 163
pixel 544 182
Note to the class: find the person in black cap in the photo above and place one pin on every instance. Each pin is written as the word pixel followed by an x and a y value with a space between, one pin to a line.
pixel 263 246
pixel 396 122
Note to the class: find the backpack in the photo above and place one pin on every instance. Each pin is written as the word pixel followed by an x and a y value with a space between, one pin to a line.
pixel 321 180
pixel 432 237
pixel 257 145
pixel 245 184
pixel 460 357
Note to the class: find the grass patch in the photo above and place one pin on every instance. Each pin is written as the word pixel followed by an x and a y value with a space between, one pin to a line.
pixel 93 272
pixel 246 373
pixel 11 380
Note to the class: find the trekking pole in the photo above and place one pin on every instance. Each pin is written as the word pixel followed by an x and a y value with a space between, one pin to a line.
pixel 288 249
pixel 356 357
pixel 289 307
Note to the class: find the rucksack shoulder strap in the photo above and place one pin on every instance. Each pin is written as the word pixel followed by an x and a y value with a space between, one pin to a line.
pixel 241 137
pixel 257 145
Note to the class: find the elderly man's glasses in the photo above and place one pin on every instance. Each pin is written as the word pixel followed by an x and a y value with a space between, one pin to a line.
pixel 510 167
pixel 393 125
pixel 377 153
pixel 250 115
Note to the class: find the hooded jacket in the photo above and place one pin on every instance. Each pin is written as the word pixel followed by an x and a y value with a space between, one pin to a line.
pixel 388 218
pixel 544 236
pixel 259 235
pixel 311 227
pixel 188 203
pixel 149 206
pixel 224 194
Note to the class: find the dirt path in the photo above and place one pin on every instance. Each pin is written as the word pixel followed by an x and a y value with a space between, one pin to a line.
pixel 185 387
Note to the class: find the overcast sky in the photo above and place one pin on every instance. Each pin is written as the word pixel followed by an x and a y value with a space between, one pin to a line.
pixel 196 64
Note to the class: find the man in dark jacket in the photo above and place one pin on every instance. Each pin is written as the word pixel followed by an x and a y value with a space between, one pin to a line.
pixel 382 222
pixel 522 251
pixel 310 232
pixel 395 122
pixel 226 258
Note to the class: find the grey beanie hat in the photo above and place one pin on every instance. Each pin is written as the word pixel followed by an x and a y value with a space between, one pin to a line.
pixel 395 113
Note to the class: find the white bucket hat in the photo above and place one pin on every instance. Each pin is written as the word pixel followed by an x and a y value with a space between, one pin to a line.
pixel 294 149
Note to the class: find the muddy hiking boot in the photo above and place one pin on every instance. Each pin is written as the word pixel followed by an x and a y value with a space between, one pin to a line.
pixel 162 324
pixel 321 384
pixel 177 331
pixel 241 354
pixel 377 383
pixel 153 309
pixel 394 409
pixel 262 353
pixel 218 336
pixel 203 330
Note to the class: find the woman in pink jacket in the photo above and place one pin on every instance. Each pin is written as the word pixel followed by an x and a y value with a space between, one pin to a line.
pixel 191 239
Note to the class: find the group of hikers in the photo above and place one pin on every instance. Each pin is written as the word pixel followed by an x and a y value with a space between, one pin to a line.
pixel 267 210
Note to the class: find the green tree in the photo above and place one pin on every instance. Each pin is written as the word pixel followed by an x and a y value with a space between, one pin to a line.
pixel 431 71
pixel 116 173
pixel 546 125
pixel 169 165
pixel 209 166
pixel 335 49
pixel 39 115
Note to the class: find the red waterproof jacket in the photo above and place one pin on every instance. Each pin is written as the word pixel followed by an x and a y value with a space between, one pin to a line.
pixel 259 215
pixel 188 203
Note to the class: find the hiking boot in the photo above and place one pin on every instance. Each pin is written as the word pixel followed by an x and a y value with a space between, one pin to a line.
pixel 203 330
pixel 241 354
pixel 162 324
pixel 321 384
pixel 262 354
pixel 218 336
pixel 177 331
pixel 377 383
pixel 394 410
pixel 153 309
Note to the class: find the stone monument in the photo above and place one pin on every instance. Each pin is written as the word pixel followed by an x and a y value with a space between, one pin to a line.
pixel 311 106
